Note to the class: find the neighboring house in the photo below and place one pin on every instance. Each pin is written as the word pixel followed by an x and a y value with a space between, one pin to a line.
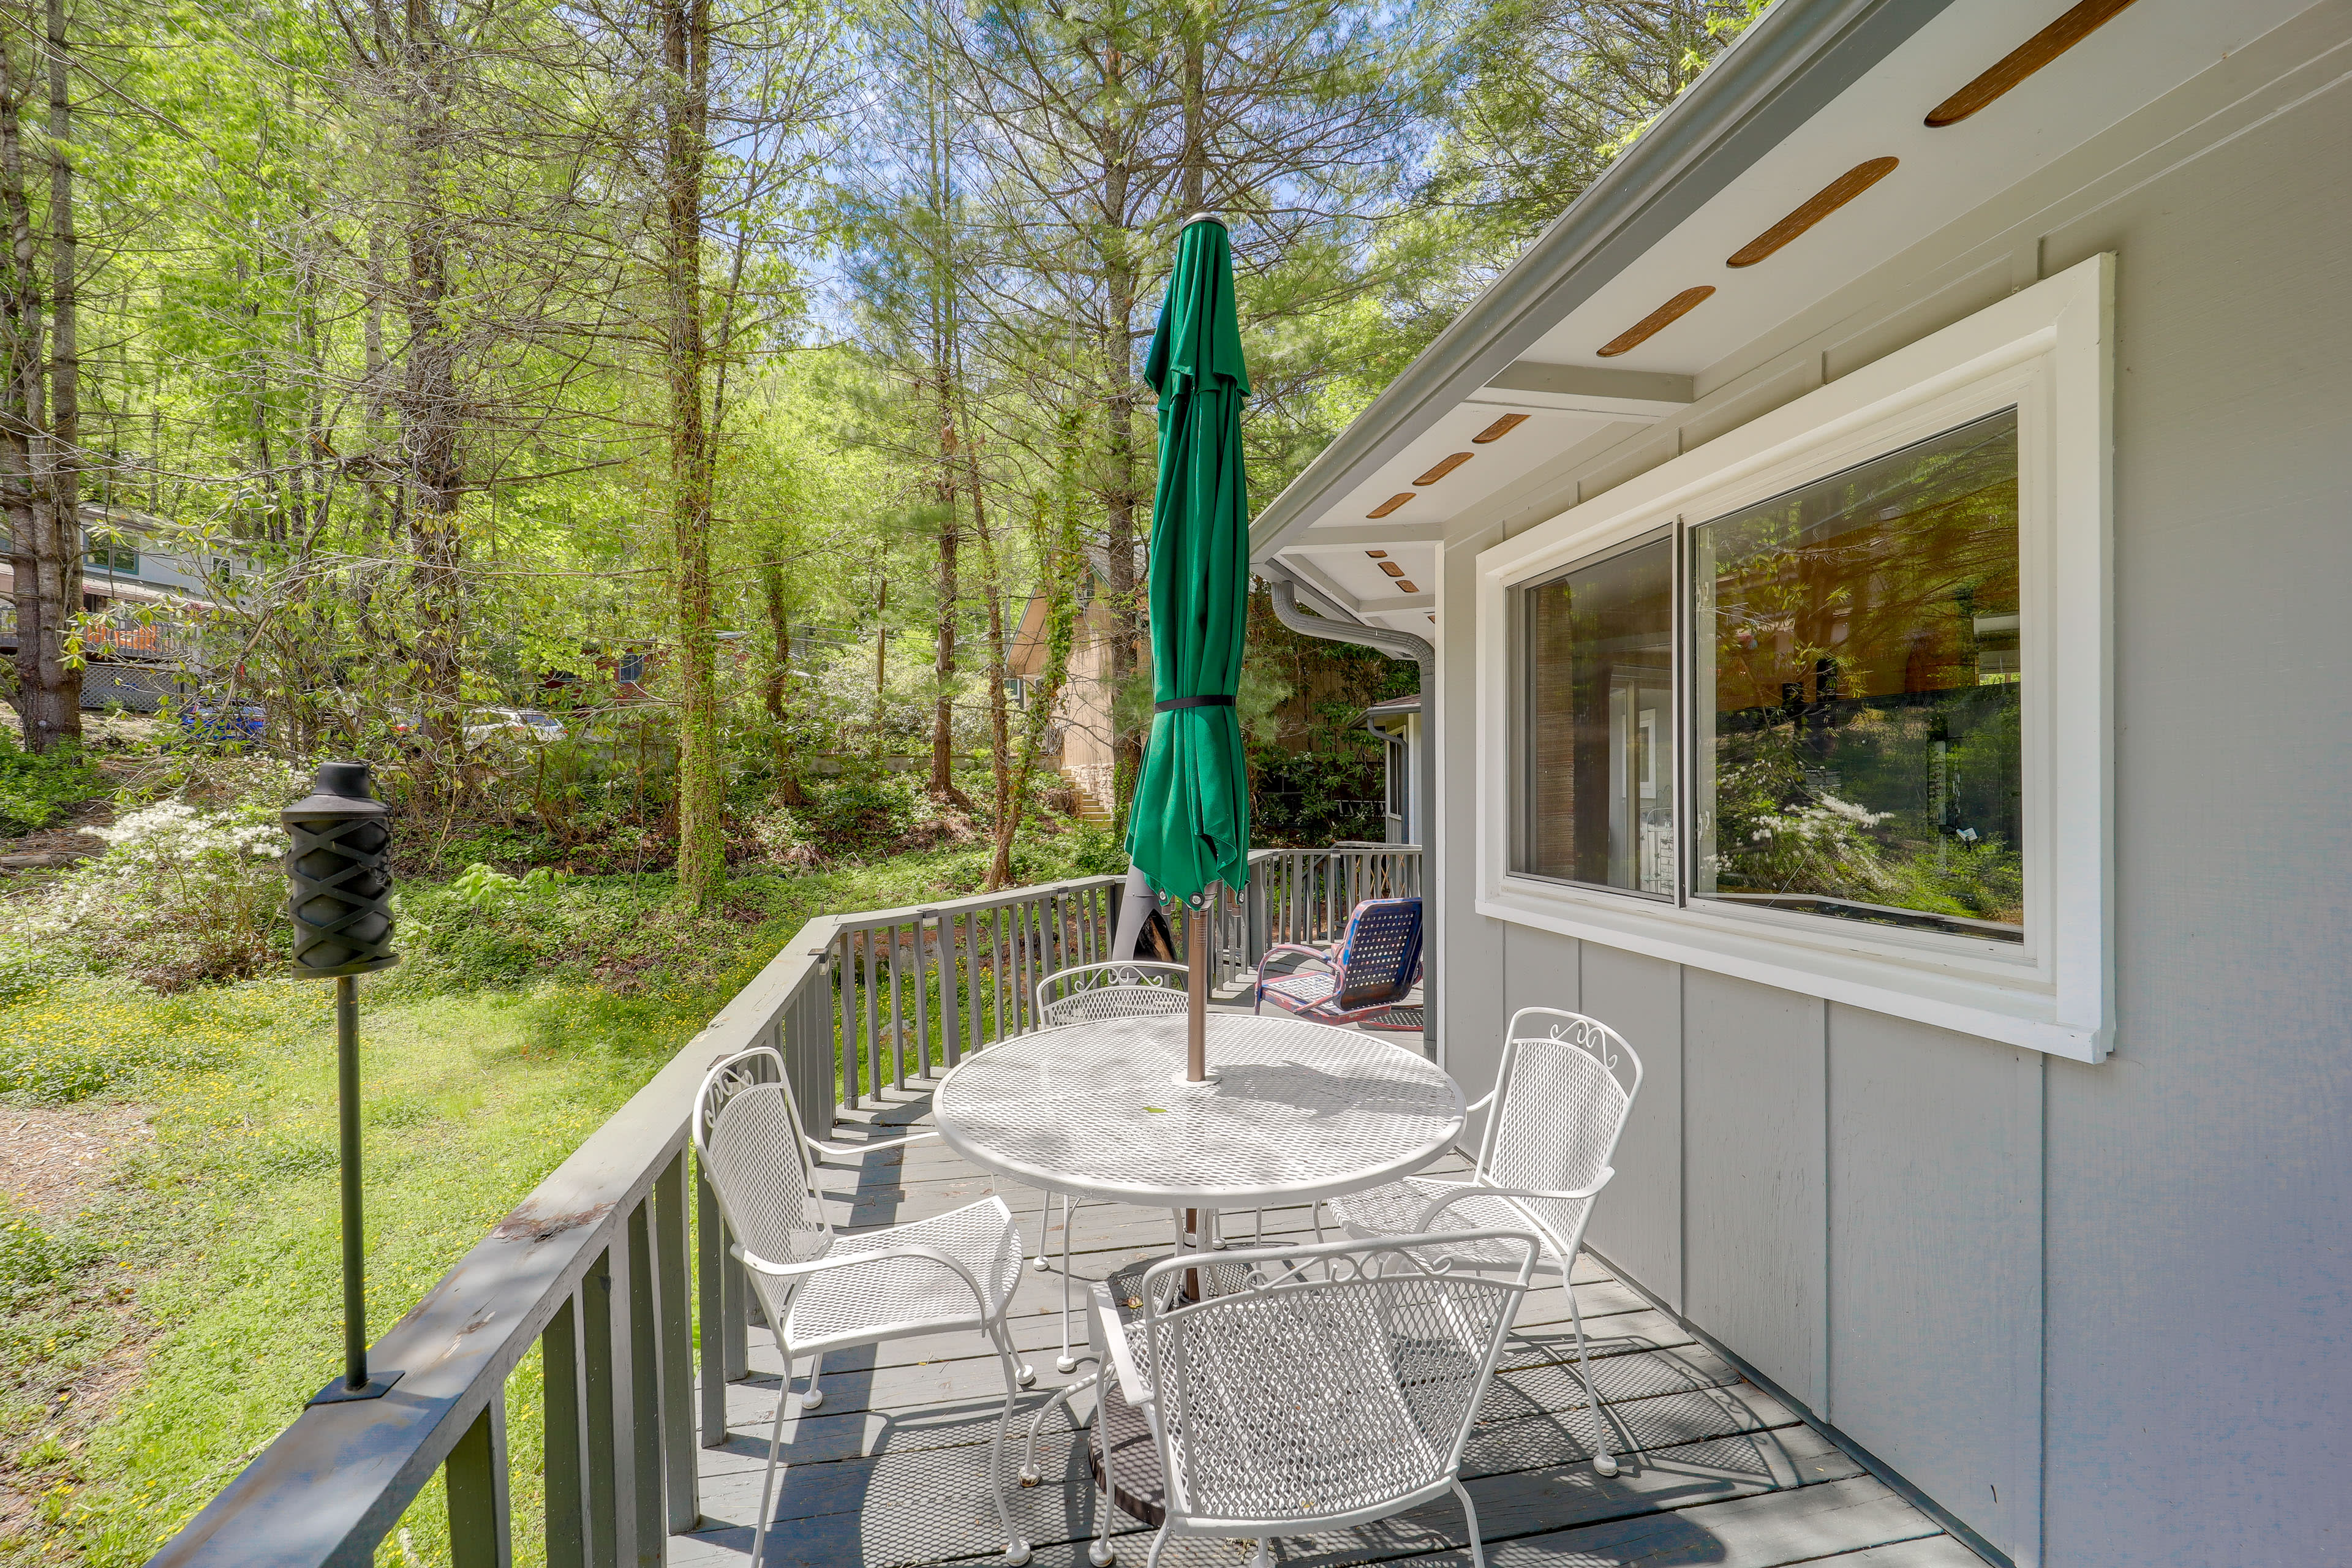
pixel 150 597
pixel 1884 546
pixel 1397 723
pixel 1079 738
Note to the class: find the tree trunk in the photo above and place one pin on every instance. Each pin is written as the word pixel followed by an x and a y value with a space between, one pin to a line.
pixel 701 845
pixel 771 586
pixel 943 663
pixel 1064 570
pixel 48 592
pixel 63 682
pixel 429 406
pixel 999 731
pixel 1126 590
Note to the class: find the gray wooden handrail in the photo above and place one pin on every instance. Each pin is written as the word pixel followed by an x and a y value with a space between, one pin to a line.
pixel 595 1265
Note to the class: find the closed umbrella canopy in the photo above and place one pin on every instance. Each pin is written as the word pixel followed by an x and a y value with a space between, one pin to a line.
pixel 1190 824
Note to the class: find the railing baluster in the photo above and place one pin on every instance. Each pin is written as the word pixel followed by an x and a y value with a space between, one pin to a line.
pixel 641 1440
pixel 480 1534
pixel 951 989
pixel 873 1052
pixel 709 1255
pixel 1000 960
pixel 674 1307
pixel 922 998
pixel 566 1438
pixel 845 1040
pixel 611 1501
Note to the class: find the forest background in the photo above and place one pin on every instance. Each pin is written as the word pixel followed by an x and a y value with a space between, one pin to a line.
pixel 729 380
pixel 726 377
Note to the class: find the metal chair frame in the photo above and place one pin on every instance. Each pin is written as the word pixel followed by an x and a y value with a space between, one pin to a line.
pixel 1153 1348
pixel 745 1116
pixel 1542 1159
pixel 1350 994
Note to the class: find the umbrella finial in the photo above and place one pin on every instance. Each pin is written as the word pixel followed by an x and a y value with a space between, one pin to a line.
pixel 1204 217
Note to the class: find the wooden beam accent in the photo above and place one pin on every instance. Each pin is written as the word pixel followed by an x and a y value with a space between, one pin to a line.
pixel 2026 59
pixel 1377 554
pixel 1390 505
pixel 1823 203
pixel 1444 467
pixel 1498 429
pixel 1656 322
pixel 1391 568
pixel 1405 587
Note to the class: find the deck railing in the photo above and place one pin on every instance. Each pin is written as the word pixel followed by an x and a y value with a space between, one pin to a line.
pixel 610 1265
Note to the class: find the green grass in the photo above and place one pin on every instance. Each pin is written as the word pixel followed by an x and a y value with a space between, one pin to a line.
pixel 211 1263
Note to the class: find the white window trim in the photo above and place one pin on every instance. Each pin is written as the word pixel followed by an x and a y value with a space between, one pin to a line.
pixel 2047 350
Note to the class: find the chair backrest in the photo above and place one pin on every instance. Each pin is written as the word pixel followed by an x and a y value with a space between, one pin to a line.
pixel 747 1132
pixel 1382 954
pixel 1089 992
pixel 1562 1097
pixel 1339 1378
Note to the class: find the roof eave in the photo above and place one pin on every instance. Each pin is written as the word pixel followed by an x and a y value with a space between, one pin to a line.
pixel 1791 62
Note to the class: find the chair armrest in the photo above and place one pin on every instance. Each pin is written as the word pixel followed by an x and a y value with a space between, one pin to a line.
pixel 851 1150
pixel 1304 955
pixel 1480 1190
pixel 1103 1325
pixel 796 1271
pixel 1478 1104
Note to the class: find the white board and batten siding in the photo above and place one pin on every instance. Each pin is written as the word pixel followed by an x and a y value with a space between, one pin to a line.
pixel 2096 1311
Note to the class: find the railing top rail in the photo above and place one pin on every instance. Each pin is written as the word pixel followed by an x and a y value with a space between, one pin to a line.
pixel 866 920
pixel 331 1486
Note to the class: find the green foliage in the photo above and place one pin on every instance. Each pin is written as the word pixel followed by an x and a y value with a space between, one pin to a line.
pixel 36 788
pixel 33 1256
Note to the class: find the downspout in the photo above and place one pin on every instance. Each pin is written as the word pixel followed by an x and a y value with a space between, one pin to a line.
pixel 1335 625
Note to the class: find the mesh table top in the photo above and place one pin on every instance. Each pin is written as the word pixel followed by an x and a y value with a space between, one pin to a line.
pixel 1299 1111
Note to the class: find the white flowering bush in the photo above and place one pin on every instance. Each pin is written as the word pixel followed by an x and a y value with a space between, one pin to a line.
pixel 185 892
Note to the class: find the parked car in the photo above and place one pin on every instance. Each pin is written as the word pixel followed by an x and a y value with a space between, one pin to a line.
pixel 219 722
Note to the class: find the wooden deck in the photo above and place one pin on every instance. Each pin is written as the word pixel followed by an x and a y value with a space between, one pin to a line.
pixel 891 1470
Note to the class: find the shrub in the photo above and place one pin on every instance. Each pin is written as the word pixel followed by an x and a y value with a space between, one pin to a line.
pixel 185 892
pixel 32 1257
pixel 36 788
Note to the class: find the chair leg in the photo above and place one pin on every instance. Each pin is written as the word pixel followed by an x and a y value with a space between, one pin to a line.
pixel 1067 1362
pixel 1477 1547
pixel 1101 1553
pixel 1029 1475
pixel 1158 1544
pixel 812 1397
pixel 1016 1549
pixel 1603 1462
pixel 768 1483
pixel 1263 1557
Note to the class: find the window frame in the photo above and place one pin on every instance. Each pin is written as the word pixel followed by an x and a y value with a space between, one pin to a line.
pixel 2045 350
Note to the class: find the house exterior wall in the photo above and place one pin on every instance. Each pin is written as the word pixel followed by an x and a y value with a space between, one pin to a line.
pixel 2094 1311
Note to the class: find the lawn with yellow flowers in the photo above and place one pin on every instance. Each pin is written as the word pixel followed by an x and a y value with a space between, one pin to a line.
pixel 156 1333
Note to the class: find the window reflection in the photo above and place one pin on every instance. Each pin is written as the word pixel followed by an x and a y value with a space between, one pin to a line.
pixel 1599 771
pixel 1856 693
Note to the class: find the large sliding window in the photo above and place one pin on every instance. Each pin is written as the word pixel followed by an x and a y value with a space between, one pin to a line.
pixel 1824 701
pixel 1850 649
pixel 1857 690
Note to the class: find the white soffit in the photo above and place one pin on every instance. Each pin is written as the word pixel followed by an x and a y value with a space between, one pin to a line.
pixel 2149 49
pixel 1570 393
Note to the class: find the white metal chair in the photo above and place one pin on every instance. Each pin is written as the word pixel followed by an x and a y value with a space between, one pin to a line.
pixel 1087 994
pixel 820 1292
pixel 1312 1389
pixel 1561 1099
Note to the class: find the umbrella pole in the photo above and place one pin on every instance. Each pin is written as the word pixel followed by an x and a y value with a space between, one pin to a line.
pixel 1196 1050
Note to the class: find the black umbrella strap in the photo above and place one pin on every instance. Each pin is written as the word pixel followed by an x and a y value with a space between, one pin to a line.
pixel 1175 702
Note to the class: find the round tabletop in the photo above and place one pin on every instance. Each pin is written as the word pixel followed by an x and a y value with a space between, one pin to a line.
pixel 1298 1111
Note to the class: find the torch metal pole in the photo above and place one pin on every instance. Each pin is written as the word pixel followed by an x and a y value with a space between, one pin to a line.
pixel 347 1095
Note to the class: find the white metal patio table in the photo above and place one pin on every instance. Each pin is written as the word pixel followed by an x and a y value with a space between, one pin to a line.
pixel 1298 1112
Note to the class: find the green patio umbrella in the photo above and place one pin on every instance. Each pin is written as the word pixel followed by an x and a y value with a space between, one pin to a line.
pixel 1189 826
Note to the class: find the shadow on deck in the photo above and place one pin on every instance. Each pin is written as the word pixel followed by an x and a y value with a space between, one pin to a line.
pixel 891 1471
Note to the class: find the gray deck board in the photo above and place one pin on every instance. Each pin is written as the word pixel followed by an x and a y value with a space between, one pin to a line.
pixel 891 1471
